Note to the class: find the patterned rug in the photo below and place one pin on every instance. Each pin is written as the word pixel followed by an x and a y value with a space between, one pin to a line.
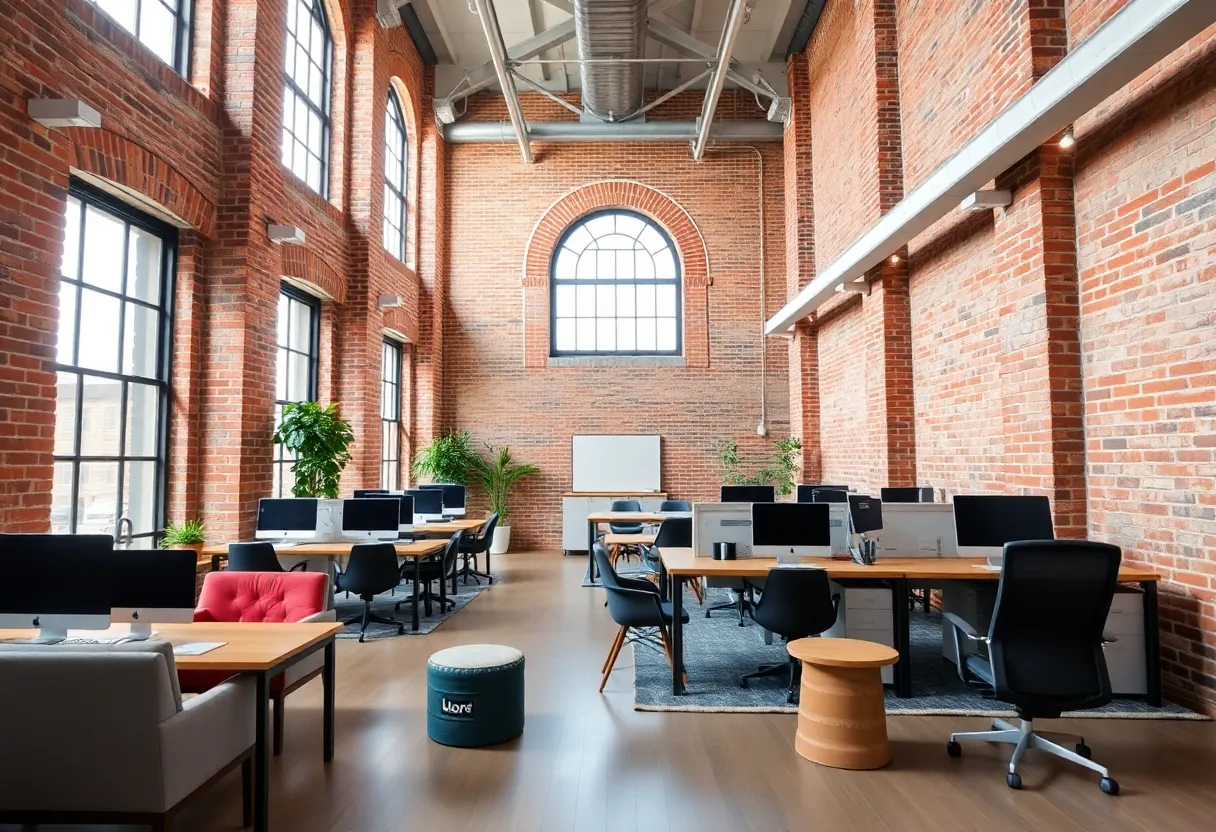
pixel 385 601
pixel 717 652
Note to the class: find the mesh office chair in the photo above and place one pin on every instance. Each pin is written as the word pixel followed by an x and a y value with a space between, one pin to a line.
pixel 371 569
pixel 257 556
pixel 1045 645
pixel 472 546
pixel 797 603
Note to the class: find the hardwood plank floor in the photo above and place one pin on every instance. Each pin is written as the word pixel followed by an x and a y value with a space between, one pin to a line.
pixel 589 762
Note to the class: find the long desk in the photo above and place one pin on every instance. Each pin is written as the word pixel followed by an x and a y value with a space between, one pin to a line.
pixel 260 650
pixel 449 527
pixel 678 565
pixel 595 518
pixel 418 551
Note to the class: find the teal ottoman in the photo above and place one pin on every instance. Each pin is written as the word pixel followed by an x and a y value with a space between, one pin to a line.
pixel 475 695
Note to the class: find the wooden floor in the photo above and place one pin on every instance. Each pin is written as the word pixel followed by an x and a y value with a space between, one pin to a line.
pixel 589 762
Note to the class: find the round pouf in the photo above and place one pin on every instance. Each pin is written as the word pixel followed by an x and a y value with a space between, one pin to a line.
pixel 475 695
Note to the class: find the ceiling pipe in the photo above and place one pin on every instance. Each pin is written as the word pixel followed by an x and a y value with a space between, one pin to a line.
pixel 472 132
pixel 498 56
pixel 613 29
pixel 730 33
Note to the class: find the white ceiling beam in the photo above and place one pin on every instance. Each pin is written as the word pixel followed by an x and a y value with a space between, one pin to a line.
pixel 484 76
pixel 713 91
pixel 783 9
pixel 693 23
pixel 534 23
pixel 445 34
pixel 498 57
pixel 686 44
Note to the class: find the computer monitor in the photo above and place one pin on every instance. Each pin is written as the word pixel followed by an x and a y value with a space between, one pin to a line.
pixel 55 582
pixel 829 495
pixel 806 491
pixel 405 517
pixel 915 494
pixel 866 513
pixel 293 518
pixel 371 518
pixel 152 586
pixel 748 494
pixel 360 493
pixel 428 504
pixel 983 524
pixel 453 496
pixel 791 530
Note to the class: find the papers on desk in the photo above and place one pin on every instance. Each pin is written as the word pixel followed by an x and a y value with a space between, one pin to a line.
pixel 987 567
pixel 196 648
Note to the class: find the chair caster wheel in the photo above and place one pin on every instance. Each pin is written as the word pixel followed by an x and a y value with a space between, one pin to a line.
pixel 1109 786
pixel 401 630
pixel 1084 750
pixel 360 639
pixel 707 613
pixel 954 749
pixel 1013 780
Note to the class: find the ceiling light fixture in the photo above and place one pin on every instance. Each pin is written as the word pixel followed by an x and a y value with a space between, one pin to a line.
pixel 894 259
pixel 1067 139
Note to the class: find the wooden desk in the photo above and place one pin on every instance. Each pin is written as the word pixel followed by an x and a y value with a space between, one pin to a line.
pixel 680 564
pixel 449 527
pixel 595 518
pixel 263 651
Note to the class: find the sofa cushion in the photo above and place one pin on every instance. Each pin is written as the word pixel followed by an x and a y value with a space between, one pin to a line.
pixel 261 596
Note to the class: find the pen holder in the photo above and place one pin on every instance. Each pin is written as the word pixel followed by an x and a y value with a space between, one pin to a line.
pixel 724 550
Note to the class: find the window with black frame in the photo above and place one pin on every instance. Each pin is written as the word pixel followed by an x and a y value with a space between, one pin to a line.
pixel 161 25
pixel 299 330
pixel 112 369
pixel 615 288
pixel 390 415
pixel 308 63
pixel 396 156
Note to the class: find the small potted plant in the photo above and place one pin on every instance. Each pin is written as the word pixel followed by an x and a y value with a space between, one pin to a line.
pixel 448 458
pixel 499 474
pixel 779 471
pixel 320 438
pixel 185 535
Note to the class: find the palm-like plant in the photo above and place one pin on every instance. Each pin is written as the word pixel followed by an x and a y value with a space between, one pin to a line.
pixel 319 437
pixel 499 474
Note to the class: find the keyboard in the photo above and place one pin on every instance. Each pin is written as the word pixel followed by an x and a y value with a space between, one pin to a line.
pixel 83 641
pixel 278 547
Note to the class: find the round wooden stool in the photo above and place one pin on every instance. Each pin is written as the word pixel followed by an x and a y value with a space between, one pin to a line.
pixel 841 719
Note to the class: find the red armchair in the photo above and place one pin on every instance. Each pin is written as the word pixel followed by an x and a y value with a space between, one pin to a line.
pixel 264 596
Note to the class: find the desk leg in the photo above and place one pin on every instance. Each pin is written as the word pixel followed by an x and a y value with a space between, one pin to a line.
pixel 664 589
pixel 417 580
pixel 903 645
pixel 443 593
pixel 591 528
pixel 327 717
pixel 677 635
pixel 261 754
pixel 1152 643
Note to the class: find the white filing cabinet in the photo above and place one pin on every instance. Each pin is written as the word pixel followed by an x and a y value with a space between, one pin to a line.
pixel 576 507
pixel 866 615
pixel 1125 657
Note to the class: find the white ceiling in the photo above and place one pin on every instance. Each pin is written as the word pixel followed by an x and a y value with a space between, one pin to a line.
pixel 455 34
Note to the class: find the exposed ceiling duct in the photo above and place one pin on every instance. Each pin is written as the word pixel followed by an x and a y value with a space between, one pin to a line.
pixel 611 29
pixel 466 132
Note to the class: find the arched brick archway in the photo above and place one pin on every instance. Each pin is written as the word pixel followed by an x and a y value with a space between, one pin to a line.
pixel 596 196
pixel 303 265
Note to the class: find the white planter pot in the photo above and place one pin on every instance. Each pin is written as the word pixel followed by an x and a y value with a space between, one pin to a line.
pixel 502 540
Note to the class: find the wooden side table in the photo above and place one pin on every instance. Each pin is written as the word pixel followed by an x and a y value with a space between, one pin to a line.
pixel 841 719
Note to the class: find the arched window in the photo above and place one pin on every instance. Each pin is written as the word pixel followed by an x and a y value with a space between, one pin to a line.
pixel 308 62
pixel 396 155
pixel 615 288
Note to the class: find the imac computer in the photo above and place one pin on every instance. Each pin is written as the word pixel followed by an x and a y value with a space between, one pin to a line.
pixel 829 495
pixel 866 514
pixel 791 530
pixel 360 493
pixel 806 492
pixel 152 586
pixel 748 494
pixel 56 582
pixel 371 518
pixel 453 497
pixel 907 495
pixel 405 516
pixel 983 524
pixel 428 504
pixel 292 518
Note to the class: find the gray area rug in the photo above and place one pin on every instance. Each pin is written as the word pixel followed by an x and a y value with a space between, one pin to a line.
pixel 717 651
pixel 352 606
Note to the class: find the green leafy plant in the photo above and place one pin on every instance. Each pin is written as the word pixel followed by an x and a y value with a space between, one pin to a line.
pixel 498 475
pixel 187 534
pixel 729 461
pixel 320 438
pixel 778 471
pixel 448 458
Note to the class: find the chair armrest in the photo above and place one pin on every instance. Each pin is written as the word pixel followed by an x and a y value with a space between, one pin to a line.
pixel 323 615
pixel 302 566
pixel 637 583
pixel 211 731
pixel 203 616
pixel 964 628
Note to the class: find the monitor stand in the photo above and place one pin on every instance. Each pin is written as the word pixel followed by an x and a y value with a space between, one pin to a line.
pixel 49 635
pixel 140 631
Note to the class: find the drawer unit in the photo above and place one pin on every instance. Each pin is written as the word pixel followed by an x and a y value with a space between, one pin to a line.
pixel 865 598
pixel 1125 657
pixel 866 615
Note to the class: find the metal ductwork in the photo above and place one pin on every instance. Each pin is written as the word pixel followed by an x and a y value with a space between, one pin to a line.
pixel 469 132
pixel 611 29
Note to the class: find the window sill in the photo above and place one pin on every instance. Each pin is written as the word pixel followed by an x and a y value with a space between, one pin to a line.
pixel 618 361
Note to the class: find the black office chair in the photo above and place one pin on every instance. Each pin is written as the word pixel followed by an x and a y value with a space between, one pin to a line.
pixel 797 603
pixel 371 569
pixel 257 556
pixel 1044 645
pixel 674 533
pixel 474 545
pixel 675 505
pixel 634 605
pixel 430 571
pixel 626 528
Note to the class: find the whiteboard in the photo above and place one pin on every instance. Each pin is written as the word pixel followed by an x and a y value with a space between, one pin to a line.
pixel 612 464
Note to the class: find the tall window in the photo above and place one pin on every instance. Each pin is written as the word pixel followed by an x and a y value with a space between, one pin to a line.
pixel 390 415
pixel 296 378
pixel 396 153
pixel 161 25
pixel 112 367
pixel 308 57
pixel 615 288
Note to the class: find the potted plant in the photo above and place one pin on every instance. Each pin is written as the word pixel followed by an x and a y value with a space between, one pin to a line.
pixel 499 474
pixel 448 458
pixel 186 535
pixel 320 438
pixel 779 471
